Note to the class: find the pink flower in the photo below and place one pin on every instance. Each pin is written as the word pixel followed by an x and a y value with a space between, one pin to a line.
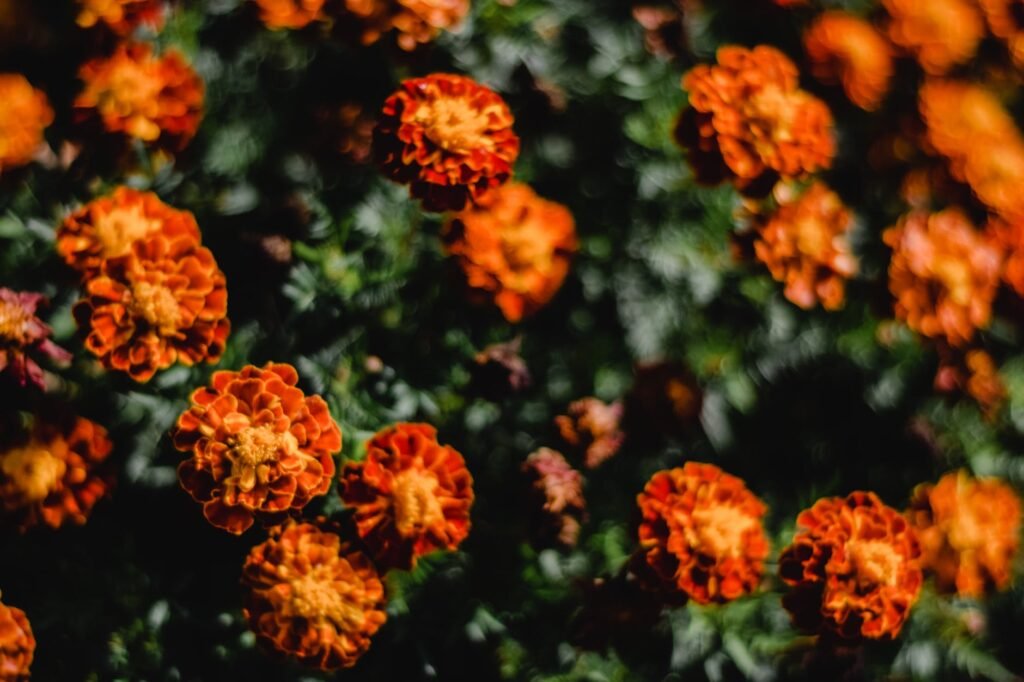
pixel 22 333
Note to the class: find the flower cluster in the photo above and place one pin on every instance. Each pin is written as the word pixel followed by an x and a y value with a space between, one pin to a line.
pixel 22 336
pixel 592 427
pixel 846 49
pixel 121 16
pixel 278 14
pixel 557 500
pixel 17 645
pixel 939 33
pixel 24 114
pixel 413 22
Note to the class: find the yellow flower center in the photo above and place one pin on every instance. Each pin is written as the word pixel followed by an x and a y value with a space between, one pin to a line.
pixel 121 227
pixel 719 530
pixel 955 275
pixel 317 597
pixel 416 503
pixel 34 470
pixel 132 94
pixel 14 321
pixel 453 124
pixel 772 112
pixel 253 452
pixel 813 239
pixel 875 562
pixel 157 305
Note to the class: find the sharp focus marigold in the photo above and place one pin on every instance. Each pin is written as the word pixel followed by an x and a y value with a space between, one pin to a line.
pixel 447 137
pixel 121 16
pixel 414 22
pixel 23 335
pixel 261 448
pixel 310 596
pixel 514 247
pixel 17 645
pixel 410 496
pixel 853 567
pixel 593 427
pixel 939 33
pixel 277 14
pixel 24 114
pixel 701 531
pixel 846 49
pixel 969 530
pixel 559 505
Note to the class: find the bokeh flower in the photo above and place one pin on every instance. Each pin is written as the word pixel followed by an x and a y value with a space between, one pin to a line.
pixel 592 427
pixel 121 16
pixel 1006 22
pixel 557 503
pixel 665 399
pixel 17 645
pixel 277 14
pixel 414 22
pixel 22 335
pixel 939 33
pixel 260 447
pixel 846 49
pixel 24 114
pixel 973 372
pixel 499 371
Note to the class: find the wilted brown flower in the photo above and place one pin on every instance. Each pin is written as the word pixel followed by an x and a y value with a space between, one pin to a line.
pixel 973 373
pixel 939 33
pixel 414 22
pixel 277 14
pixel 23 334
pixel 846 49
pixel 17 645
pixel 592 427
pixel 24 114
pixel 121 16
pixel 558 506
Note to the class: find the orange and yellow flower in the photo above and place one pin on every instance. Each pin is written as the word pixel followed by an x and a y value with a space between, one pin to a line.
pixel 853 567
pixel 592 426
pixel 701 531
pixel 410 496
pixel 311 596
pixel 414 22
pixel 17 645
pixel 939 33
pixel 558 503
pixel 974 373
pixel 121 16
pixel 969 530
pixel 261 448
pixel 447 137
pixel 22 335
pixel 846 49
pixel 514 248
pixel 24 114
pixel 277 14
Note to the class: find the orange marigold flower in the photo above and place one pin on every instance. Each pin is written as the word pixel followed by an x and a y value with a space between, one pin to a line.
pixel 974 373
pixel 156 99
pixel 410 496
pixel 969 530
pixel 665 399
pixel 164 302
pixel 513 247
pixel 414 22
pixel 557 488
pixel 17 645
pixel 447 137
pixel 122 16
pixel 277 14
pixel 846 49
pixel 311 596
pixel 108 227
pixel 749 121
pixel 260 446
pixel 22 333
pixel 943 274
pixel 939 33
pixel 853 566
pixel 805 244
pixel 701 531
pixel 24 114
pixel 55 475
pixel 593 427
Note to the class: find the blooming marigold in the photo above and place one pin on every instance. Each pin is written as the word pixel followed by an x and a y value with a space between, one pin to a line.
pixel 164 302
pixel 22 333
pixel 24 114
pixel 260 446
pixel 17 644
pixel 559 505
pixel 805 245
pixel 701 531
pixel 410 496
pixel 939 33
pixel 156 99
pixel 311 596
pixel 847 49
pixel 974 373
pixel 749 121
pixel 592 426
pixel 277 14
pixel 122 16
pixel 853 566
pixel 943 274
pixel 514 247
pixel 414 22
pixel 108 227
pixel 55 475
pixel 447 137
pixel 969 530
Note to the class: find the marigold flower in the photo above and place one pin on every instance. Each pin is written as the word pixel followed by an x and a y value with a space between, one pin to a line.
pixel 853 567
pixel 749 121
pixel 17 644
pixel 939 33
pixel 22 333
pixel 447 137
pixel 559 505
pixel 156 99
pixel 55 475
pixel 260 446
pixel 499 370
pixel 969 530
pixel 24 114
pixel 846 49
pixel 121 16
pixel 513 247
pixel 410 496
pixel 973 373
pixel 311 596
pixel 277 14
pixel 164 302
pixel 108 227
pixel 593 427
pixel 348 129
pixel 665 399
pixel 701 531
pixel 414 22
pixel 943 274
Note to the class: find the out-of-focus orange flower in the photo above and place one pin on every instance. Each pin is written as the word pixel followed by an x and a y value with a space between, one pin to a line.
pixel 108 227
pixel 853 567
pixel 1006 22
pixel 447 137
pixel 260 446
pixel 17 645
pixel 973 373
pixel 24 114
pixel 156 99
pixel 592 426
pixel 410 496
pixel 665 399
pixel 55 475
pixel 939 33
pixel 664 29
pixel 414 22
pixel 701 531
pixel 348 129
pixel 559 505
pixel 969 530
pixel 164 302
pixel 22 335
pixel 122 16
pixel 277 14
pixel 943 273
pixel 846 49
pixel 311 596
pixel 1010 236
pixel 749 121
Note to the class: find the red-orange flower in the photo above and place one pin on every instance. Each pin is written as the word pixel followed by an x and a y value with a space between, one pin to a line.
pixel 846 49
pixel 410 496
pixel 943 274
pixel 156 99
pixel 108 227
pixel 749 121
pixel 447 137
pixel 277 14
pixel 514 247
pixel 414 22
pixel 592 426
pixel 311 596
pixel 17 645
pixel 261 448
pixel 122 16
pixel 22 335
pixel 853 567
pixel 701 531
pixel 969 530
pixel 24 114
pixel 55 474
pixel 164 302
pixel 974 373
pixel 939 33
pixel 558 502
